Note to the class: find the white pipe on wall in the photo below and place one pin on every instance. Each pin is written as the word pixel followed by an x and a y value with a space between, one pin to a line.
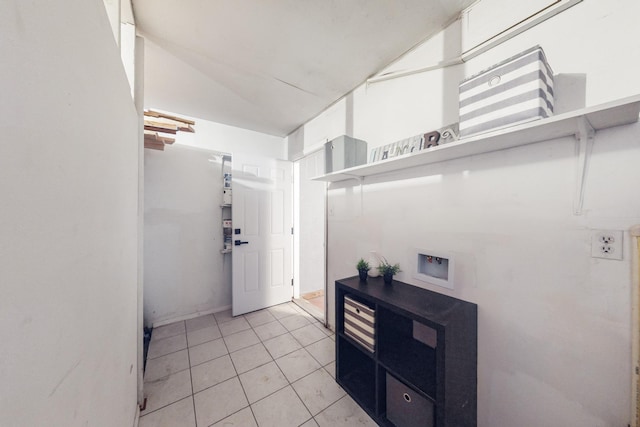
pixel 490 43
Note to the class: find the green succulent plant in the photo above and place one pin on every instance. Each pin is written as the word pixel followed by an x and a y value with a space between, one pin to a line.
pixel 386 268
pixel 363 265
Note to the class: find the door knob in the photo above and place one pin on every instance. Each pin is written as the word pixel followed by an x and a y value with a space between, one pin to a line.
pixel 238 243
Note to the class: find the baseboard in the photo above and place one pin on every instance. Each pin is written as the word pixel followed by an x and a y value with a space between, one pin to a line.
pixel 190 316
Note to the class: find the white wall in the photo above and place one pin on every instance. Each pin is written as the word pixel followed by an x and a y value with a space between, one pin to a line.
pixel 68 222
pixel 113 13
pixel 218 137
pixel 328 125
pixel 306 145
pixel 185 273
pixel 554 323
pixel 127 52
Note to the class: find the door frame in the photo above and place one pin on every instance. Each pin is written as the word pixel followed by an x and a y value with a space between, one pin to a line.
pixel 296 223
pixel 635 327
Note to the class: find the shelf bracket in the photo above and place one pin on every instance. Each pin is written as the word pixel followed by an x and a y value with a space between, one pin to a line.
pixel 584 146
pixel 348 177
pixel 359 178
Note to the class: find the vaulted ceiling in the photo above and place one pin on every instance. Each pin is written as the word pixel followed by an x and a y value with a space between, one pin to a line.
pixel 272 65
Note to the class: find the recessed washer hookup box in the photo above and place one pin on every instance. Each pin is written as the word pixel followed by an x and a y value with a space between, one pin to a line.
pixel 515 91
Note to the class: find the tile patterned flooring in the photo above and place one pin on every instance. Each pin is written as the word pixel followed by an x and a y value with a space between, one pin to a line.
pixel 273 367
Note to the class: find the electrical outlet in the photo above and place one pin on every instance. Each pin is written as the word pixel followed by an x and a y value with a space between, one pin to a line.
pixel 606 244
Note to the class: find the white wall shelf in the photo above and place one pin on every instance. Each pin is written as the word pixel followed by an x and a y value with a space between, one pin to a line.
pixel 616 113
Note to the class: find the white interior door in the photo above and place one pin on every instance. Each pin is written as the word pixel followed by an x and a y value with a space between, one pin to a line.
pixel 262 218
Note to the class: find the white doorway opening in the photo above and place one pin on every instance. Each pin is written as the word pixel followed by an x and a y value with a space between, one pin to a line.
pixel 309 235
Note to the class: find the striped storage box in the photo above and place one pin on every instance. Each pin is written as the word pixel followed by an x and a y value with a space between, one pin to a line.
pixel 359 323
pixel 514 91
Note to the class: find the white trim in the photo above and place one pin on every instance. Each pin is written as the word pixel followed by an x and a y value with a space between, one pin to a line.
pixel 190 316
pixel 138 98
pixel 312 149
pixel 635 326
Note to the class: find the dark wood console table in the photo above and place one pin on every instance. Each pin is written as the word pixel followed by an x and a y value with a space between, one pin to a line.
pixel 423 367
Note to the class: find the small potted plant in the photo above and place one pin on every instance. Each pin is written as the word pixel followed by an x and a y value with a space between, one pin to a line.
pixel 363 268
pixel 387 271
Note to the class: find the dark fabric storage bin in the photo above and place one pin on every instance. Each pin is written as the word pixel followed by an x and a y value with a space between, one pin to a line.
pixel 405 407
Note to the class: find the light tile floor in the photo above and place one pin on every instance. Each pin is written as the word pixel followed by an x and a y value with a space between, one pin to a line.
pixel 273 367
pixel 313 303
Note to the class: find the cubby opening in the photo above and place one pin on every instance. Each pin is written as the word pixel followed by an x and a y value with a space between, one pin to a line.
pixel 400 347
pixel 356 371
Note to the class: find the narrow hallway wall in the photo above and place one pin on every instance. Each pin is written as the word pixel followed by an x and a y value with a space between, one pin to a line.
pixel 185 273
pixel 68 222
